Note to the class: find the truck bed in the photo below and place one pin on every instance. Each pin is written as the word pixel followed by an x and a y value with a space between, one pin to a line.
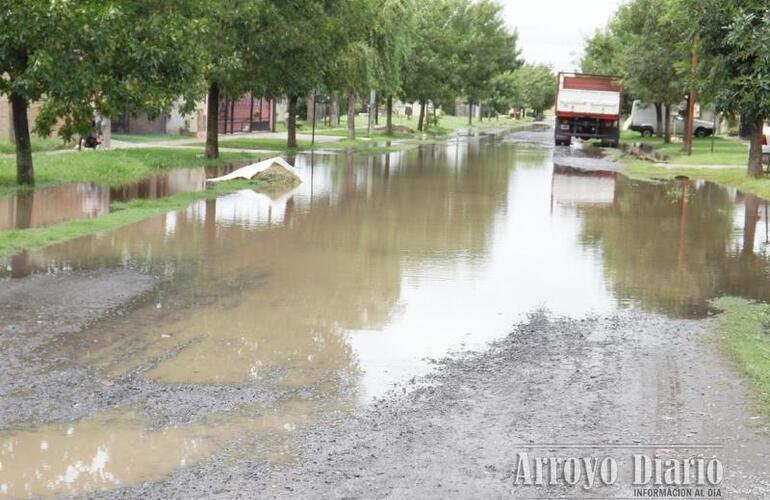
pixel 588 96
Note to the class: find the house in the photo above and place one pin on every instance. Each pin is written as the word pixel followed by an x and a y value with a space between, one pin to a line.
pixel 6 118
pixel 245 114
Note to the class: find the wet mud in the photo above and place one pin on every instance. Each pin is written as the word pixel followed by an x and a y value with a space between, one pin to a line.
pixel 629 379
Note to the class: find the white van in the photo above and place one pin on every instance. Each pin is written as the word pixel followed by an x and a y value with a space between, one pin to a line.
pixel 644 120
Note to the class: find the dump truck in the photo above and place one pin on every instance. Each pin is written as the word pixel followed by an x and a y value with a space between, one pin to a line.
pixel 588 107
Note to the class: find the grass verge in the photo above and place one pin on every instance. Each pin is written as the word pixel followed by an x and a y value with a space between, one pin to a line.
pixel 746 339
pixel 725 166
pixel 38 144
pixel 731 177
pixel 122 214
pixel 726 151
pixel 148 138
pixel 112 167
pixel 447 124
pixel 279 145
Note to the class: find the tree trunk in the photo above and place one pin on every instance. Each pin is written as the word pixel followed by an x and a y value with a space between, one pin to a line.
pixel 470 113
pixel 667 125
pixel 389 116
pixel 335 119
pixel 25 173
pixel 310 102
pixel 212 122
pixel 659 120
pixel 421 121
pixel 755 150
pixel 351 114
pixel 291 123
pixel 376 109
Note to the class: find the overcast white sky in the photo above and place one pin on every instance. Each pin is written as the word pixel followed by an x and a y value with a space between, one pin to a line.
pixel 552 31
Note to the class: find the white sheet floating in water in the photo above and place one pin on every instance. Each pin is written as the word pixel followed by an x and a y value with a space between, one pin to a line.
pixel 251 171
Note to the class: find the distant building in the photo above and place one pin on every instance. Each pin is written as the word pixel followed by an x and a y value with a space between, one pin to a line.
pixel 245 114
pixel 6 118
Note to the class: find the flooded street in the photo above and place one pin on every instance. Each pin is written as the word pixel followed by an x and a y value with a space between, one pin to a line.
pixel 242 340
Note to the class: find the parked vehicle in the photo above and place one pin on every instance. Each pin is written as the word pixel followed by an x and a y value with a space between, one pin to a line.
pixel 644 119
pixel 588 107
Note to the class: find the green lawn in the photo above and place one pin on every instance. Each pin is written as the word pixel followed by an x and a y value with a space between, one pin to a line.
pixel 279 145
pixel 123 214
pixel 446 125
pixel 733 177
pixel 147 138
pixel 38 144
pixel 727 151
pixel 111 167
pixel 745 338
pixel 730 154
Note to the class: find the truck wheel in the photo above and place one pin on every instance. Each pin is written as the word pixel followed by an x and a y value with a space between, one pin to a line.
pixel 647 132
pixel 700 132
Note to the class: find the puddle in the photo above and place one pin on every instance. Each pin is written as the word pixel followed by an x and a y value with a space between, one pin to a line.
pixel 53 205
pixel 118 448
pixel 372 267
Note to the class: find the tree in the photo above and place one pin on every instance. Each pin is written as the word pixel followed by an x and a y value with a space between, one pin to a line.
pixel 430 72
pixel 602 53
pixel 651 56
pixel 538 87
pixel 506 93
pixel 487 49
pixel 353 65
pixel 290 47
pixel 93 57
pixel 731 38
pixel 393 37
pixel 642 44
pixel 232 65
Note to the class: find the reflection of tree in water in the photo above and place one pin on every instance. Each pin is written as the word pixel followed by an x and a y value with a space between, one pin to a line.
pixel 668 247
pixel 245 301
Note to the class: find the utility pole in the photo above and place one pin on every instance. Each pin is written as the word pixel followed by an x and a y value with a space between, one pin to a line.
pixel 691 100
pixel 314 101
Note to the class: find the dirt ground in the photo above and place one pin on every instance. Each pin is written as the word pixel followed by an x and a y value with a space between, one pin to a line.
pixel 633 379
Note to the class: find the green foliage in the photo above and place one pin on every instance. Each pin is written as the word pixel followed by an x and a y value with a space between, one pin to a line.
pixel 294 43
pixel 537 84
pixel 392 37
pixel 487 48
pixel 735 67
pixel 643 44
pixel 652 51
pixel 430 71
pixel 88 56
pixel 602 54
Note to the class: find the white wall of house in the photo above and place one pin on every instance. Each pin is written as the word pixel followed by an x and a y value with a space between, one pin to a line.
pixel 178 123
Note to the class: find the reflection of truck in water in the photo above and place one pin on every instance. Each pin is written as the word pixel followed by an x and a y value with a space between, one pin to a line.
pixel 644 119
pixel 588 107
pixel 576 188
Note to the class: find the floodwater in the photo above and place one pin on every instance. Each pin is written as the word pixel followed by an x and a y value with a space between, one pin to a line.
pixel 56 204
pixel 356 279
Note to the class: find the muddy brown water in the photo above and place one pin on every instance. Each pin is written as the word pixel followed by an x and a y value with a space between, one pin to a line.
pixel 371 267
pixel 56 204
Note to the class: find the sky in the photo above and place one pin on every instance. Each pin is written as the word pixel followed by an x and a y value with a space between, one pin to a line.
pixel 552 31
